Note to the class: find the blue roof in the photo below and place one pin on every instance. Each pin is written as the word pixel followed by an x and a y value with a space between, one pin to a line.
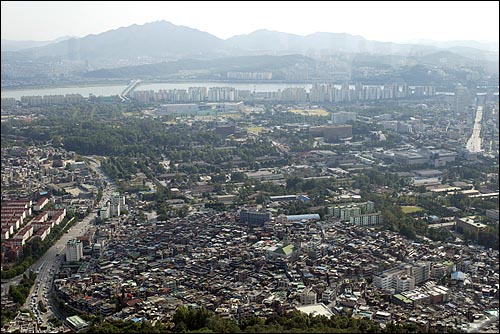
pixel 303 217
pixel 458 275
pixel 299 223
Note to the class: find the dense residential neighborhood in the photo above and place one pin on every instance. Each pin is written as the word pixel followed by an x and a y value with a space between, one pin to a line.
pixel 260 207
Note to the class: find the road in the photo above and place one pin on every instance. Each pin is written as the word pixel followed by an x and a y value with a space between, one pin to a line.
pixel 474 142
pixel 49 263
pixel 476 327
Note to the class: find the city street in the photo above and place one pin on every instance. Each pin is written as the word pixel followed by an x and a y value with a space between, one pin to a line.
pixel 49 263
pixel 474 142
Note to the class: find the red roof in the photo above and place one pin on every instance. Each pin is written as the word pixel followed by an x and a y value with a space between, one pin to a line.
pixel 133 301
pixel 41 216
pixel 41 201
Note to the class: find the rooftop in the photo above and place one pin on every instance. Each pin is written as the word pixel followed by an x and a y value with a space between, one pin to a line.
pixel 316 309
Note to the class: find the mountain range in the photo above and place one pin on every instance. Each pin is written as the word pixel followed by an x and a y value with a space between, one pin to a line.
pixel 10 45
pixel 163 40
pixel 164 49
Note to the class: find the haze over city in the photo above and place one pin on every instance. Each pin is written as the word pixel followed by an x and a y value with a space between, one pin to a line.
pixel 381 20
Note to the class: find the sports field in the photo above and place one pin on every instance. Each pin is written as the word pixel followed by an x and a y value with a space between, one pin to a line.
pixel 310 112
pixel 411 209
pixel 255 129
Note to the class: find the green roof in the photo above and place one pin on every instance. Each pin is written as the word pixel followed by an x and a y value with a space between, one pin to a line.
pixel 287 250
pixel 76 321
pixel 402 298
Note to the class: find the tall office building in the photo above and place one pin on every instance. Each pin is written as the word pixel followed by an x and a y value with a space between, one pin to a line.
pixel 345 92
pixel 462 99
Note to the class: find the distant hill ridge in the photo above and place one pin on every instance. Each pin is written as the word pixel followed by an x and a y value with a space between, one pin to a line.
pixel 241 63
pixel 167 41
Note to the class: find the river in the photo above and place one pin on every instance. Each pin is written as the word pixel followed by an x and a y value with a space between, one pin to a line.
pixel 109 90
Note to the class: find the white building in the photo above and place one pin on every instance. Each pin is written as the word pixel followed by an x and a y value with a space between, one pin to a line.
pixel 462 99
pixel 403 278
pixel 328 295
pixel 421 271
pixel 308 296
pixel 368 219
pixel 389 279
pixel 76 322
pixel 114 210
pixel 74 250
pixel 105 212
pixel 404 283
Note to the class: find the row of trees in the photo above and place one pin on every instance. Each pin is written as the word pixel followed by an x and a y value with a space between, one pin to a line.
pixel 20 268
pixel 19 293
pixel 200 320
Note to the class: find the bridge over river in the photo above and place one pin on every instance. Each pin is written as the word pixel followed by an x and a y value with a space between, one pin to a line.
pixel 131 86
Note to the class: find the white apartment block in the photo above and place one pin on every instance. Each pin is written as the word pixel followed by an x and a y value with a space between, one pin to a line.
pixel 308 296
pixel 74 250
pixel 104 212
pixel 404 283
pixel 368 219
pixel 403 278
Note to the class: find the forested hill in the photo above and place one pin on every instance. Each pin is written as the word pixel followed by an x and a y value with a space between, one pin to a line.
pixel 222 65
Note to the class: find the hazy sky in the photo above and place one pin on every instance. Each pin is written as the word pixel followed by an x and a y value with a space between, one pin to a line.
pixel 383 21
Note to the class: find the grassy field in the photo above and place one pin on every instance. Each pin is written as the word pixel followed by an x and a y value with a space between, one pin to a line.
pixel 255 129
pixel 310 112
pixel 411 209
